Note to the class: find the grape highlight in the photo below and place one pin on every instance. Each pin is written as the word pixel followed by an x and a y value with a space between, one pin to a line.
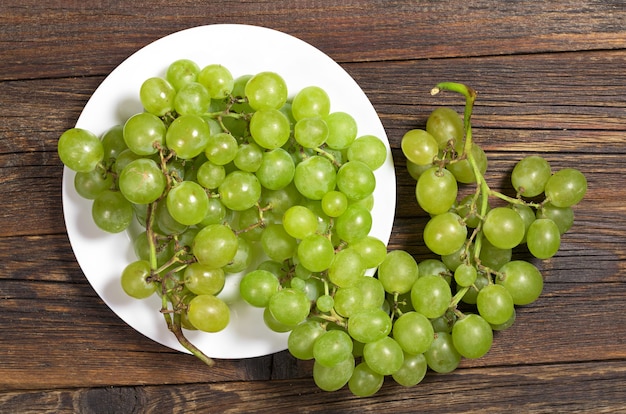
pixel 229 175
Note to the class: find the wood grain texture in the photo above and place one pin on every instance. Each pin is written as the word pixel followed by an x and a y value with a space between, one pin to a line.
pixel 551 81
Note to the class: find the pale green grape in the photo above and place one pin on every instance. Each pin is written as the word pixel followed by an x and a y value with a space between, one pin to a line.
pixel 248 157
pixel 334 203
pixel 442 356
pixel 431 296
pixel 80 150
pixel 495 304
pixel 384 356
pixel 299 222
pixel 258 286
pixel 192 99
pixel 187 202
pixel 204 280
pixel 221 149
pixel 563 217
pixel 113 143
pixel 208 313
pixel 372 292
pixel 332 347
pixel 419 147
pixel 472 336
pixel 270 128
pixel 266 90
pixel 240 190
pixel 462 169
pixel 210 175
pixel 522 280
pixel 314 177
pixel 369 325
pixel 111 211
pixel 436 190
pixel 188 136
pixel 181 72
pixel 310 132
pixel 544 238
pixel 348 301
pixel 335 377
pixel 412 371
pixel 289 306
pixel 364 381
pixel 504 227
pixel 164 223
pixel 445 124
pixel 276 169
pixel 136 280
pixel 302 339
pixel 142 181
pixel 157 96
pixel 342 130
pixel 372 250
pixel 445 233
pixel 89 184
pixel 530 175
pixel 356 180
pixel 465 275
pixel 217 79
pixel 413 332
pixel 243 257
pixel 566 187
pixel 368 149
pixel 347 268
pixel 354 224
pixel 398 272
pixel 310 102
pixel 215 245
pixel 277 243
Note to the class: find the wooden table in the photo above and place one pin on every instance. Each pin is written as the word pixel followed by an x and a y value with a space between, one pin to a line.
pixel 551 78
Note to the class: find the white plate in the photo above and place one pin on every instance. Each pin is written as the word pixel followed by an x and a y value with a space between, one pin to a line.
pixel 243 50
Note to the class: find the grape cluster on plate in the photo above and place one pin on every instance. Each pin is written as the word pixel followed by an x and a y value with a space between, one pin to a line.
pixel 228 175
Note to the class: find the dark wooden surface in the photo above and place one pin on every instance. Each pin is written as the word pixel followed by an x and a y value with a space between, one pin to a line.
pixel 552 80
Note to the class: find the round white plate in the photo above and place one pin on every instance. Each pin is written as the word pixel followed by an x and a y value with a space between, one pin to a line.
pixel 243 50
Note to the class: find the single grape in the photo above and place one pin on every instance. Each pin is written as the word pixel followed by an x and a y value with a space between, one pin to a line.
pixel 354 224
pixel 503 227
pixel 530 175
pixel 270 128
pixel 248 157
pixel 335 377
pixel 142 181
pixel 398 272
pixel 563 217
pixel 310 132
pixel 299 222
pixel 462 169
pixel 80 150
pixel 347 268
pixel 348 301
pixel 412 371
pixel 369 325
pixel 204 280
pixel 368 149
pixel 522 280
pixel 495 304
pixel 187 202
pixel 272 323
pixel 217 79
pixel 208 313
pixel 210 175
pixel 111 211
pixel 89 184
pixel 314 177
pixel 544 238
pixel 302 339
pixel 431 296
pixel 372 250
pixel 472 336
pixel 436 190
pixel 445 233
pixel 442 356
pixel 277 244
pixel 445 124
pixel 527 214
pixel 266 90
pixel 384 356
pixel 364 381
pixel 276 169
pixel 356 180
pixel 325 303
pixel 332 347
pixel 494 257
pixel 240 190
pixel 181 72
pixel 414 332
pixel 419 147
pixel 188 136
pixel 289 306
pixel 192 99
pixel 465 275
pixel 342 130
pixel 157 96
pixel 566 187
pixel 221 149
pixel 334 203
pixel 113 143
pixel 243 258
pixel 215 245
pixel 372 292
pixel 310 102
pixel 164 223
pixel 136 280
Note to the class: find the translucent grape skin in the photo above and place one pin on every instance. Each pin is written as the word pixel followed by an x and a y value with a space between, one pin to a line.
pixel 472 336
pixel 80 150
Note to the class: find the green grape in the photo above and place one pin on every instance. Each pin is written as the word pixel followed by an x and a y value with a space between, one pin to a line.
pixel 314 177
pixel 136 280
pixel 249 157
pixel 270 128
pixel 332 347
pixel 372 292
pixel 494 257
pixel 503 227
pixel 467 209
pixel 192 99
pixel 368 149
pixel 372 250
pixel 444 323
pixel 316 252
pixel 188 136
pixel 354 224
pixel 203 280
pixel 123 159
pixel 347 268
pixel 325 303
pixel 415 170
pixel 544 238
pixel 210 175
pixel 111 211
pixel 398 272
pixel 302 339
pixel 157 96
pixel 276 169
pixel 249 224
pixel 356 180
pixel 566 187
pixel 505 325
pixel 419 147
pixel 412 371
pixel 465 275
pixel 208 313
pixel 436 190
pixel 277 243
pixel 217 79
pixel 342 130
pixel 274 324
pixel 141 247
pixel 462 169
pixel 445 233
pixel 187 203
pixel 334 203
pixel 142 181
pixel 364 381
pixel 80 150
pixel 89 184
pixel 563 217
pixel 335 377
pixel 454 260
pixel 434 267
pixel 221 149
pixel 266 90
pixel 215 245
pixel 280 199
pixel 384 356
pixel 310 132
pixel 242 258
pixel 445 124
pixel 472 336
pixel 522 280
pixel 348 301
pixel 240 190
pixel 258 286
pixel 495 304
pixel 310 102
pixel 299 222
pixel 181 72
pixel 113 143
pixel 369 325
pixel 530 175
pixel 431 296
pixel 442 356
pixel 413 332
pixel 289 306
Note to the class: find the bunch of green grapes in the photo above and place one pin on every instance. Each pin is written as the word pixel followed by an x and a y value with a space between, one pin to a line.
pixel 474 285
pixel 228 175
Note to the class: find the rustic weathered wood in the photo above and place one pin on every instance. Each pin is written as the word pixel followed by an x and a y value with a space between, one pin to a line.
pixel 551 81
